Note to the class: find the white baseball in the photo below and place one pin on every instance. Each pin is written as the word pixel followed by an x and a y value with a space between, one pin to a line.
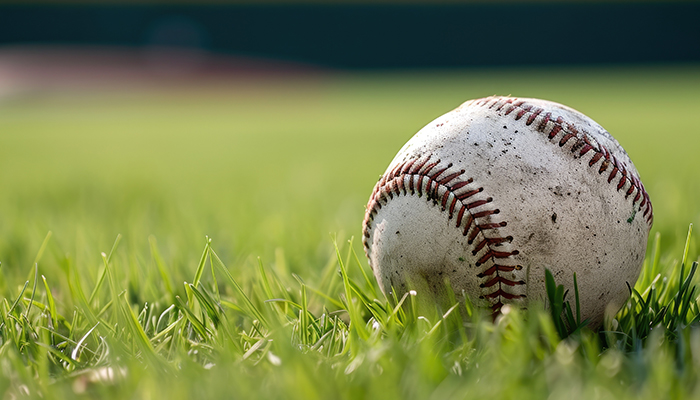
pixel 496 191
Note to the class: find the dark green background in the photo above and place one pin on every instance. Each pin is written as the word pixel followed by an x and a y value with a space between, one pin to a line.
pixel 379 36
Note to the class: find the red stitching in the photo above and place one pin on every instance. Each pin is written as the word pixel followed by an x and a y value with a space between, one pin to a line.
pixel 543 124
pixel 612 175
pixel 585 149
pixel 448 178
pixel 415 169
pixel 636 198
pixel 522 112
pixel 596 157
pixel 496 267
pixel 499 240
pixel 469 194
pixel 623 180
pixel 579 143
pixel 461 184
pixel 588 143
pixel 402 187
pixel 478 247
pixel 500 279
pixel 434 175
pixel 493 226
pixel 502 104
pixel 452 206
pixel 555 130
pixel 501 293
pixel 496 310
pixel 408 166
pixel 485 213
pixel 393 183
pixel 394 188
pixel 478 203
pixel 491 254
pixel 459 217
pixel 487 101
pixel 532 117
pixel 474 232
pixel 491 241
pixel 420 185
pixel 444 200
pixel 565 139
pixel 429 167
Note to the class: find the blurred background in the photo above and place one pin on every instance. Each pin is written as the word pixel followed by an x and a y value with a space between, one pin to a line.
pixel 266 124
pixel 367 35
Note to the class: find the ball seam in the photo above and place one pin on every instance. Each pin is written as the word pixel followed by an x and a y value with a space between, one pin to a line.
pixel 446 188
pixel 562 132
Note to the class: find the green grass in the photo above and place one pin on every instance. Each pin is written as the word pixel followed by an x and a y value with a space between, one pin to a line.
pixel 179 243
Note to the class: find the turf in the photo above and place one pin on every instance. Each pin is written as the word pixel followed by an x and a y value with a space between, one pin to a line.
pixel 242 189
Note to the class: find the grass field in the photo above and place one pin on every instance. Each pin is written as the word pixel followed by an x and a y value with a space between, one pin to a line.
pixel 113 193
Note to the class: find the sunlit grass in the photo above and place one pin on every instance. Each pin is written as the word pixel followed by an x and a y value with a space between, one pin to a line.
pixel 181 243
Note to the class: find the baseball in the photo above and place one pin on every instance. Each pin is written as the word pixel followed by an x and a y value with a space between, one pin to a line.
pixel 496 191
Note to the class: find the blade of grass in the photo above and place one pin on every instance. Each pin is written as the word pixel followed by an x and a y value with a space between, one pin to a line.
pixel 40 253
pixel 194 321
pixel 137 330
pixel 207 304
pixel 555 294
pixel 36 279
pixel 355 318
pixel 578 303
pixel 304 317
pixel 265 283
pixel 76 351
pixel 160 264
pixel 687 245
pixel 59 355
pixel 52 303
pixel 233 306
pixel 333 301
pixel 76 290
pixel 21 293
pixel 368 281
pixel 167 329
pixel 101 278
pixel 162 317
pixel 200 268
pixel 249 306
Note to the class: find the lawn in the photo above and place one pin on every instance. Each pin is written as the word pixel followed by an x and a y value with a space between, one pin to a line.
pixel 241 189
